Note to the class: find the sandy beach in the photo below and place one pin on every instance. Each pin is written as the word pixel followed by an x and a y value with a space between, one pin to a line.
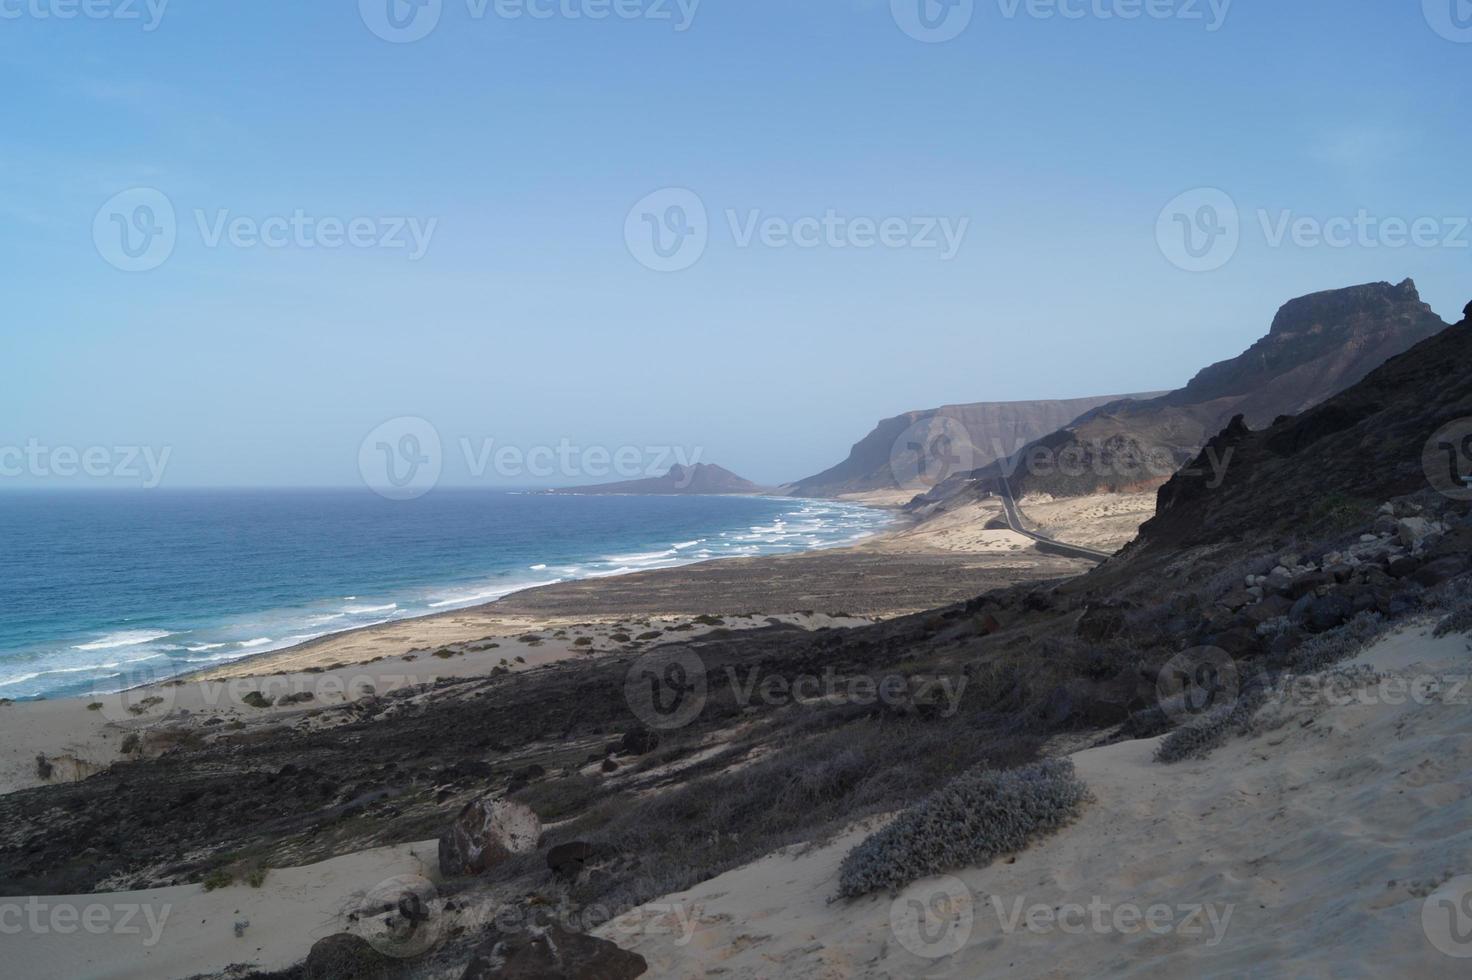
pixel 907 570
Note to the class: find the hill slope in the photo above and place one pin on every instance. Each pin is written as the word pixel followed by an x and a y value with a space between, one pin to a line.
pixel 994 429
pixel 1318 345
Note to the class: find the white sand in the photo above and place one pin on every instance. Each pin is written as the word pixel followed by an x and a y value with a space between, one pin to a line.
pixel 184 930
pixel 1312 845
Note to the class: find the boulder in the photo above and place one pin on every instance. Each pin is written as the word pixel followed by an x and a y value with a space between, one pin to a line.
pixel 1309 583
pixel 1403 566
pixel 566 860
pixel 552 953
pixel 1411 532
pixel 639 741
pixel 1439 570
pixel 347 957
pixel 1327 612
pixel 486 833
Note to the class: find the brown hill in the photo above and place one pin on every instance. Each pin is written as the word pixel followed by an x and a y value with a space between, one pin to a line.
pixel 889 455
pixel 1318 345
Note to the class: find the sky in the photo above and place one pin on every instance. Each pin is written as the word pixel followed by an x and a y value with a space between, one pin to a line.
pixel 253 239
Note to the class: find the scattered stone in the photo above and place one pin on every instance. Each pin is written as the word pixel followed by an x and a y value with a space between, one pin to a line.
pixel 553 953
pixel 486 833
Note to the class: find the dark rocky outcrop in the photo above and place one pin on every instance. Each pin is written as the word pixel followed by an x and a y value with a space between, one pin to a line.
pixel 553 953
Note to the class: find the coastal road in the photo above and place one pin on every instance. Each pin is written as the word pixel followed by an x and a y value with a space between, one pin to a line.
pixel 1044 543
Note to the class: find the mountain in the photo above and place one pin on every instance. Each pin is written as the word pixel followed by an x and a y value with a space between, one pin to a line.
pixel 1318 345
pixel 701 478
pixel 890 455
pixel 1387 436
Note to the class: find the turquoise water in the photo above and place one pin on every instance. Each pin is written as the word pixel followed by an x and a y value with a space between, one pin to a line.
pixel 100 591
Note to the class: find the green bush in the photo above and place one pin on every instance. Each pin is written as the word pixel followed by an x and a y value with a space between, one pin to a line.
pixel 976 818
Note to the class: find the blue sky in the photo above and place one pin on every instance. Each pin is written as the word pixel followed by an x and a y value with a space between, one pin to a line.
pixel 521 145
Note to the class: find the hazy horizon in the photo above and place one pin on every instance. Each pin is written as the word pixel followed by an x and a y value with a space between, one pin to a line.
pixel 481 266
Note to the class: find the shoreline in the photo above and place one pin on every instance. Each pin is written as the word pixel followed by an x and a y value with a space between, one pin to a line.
pixel 900 522
pixel 482 609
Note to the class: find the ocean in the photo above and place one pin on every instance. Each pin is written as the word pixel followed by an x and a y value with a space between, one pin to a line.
pixel 104 590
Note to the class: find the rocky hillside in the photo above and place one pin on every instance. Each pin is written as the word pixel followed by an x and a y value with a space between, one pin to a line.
pixel 701 478
pixel 1318 345
pixel 994 429
pixel 1374 441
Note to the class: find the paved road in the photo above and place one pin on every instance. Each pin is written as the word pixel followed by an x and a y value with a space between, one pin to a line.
pixel 1044 543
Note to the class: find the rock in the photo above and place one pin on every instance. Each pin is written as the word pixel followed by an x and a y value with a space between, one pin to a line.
pixel 1412 531
pixel 486 833
pixel 553 953
pixel 1327 612
pixel 1387 508
pixel 566 860
pixel 523 776
pixel 1311 582
pixel 1270 608
pixel 640 741
pixel 1342 572
pixel 608 765
pixel 346 957
pixel 1439 570
pixel 1239 641
pixel 1236 599
pixel 1403 566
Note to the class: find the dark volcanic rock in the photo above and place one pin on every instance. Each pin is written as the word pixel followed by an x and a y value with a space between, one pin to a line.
pixel 553 953
pixel 640 741
pixel 1436 572
pixel 347 957
pixel 566 860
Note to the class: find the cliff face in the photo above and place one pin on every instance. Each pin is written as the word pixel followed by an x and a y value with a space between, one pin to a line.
pixel 994 429
pixel 1318 345
pixel 1404 428
pixel 701 478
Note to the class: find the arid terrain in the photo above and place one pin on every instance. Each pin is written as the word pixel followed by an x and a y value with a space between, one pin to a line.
pixel 708 769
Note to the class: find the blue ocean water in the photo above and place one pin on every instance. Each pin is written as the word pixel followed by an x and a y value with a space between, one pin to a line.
pixel 100 591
